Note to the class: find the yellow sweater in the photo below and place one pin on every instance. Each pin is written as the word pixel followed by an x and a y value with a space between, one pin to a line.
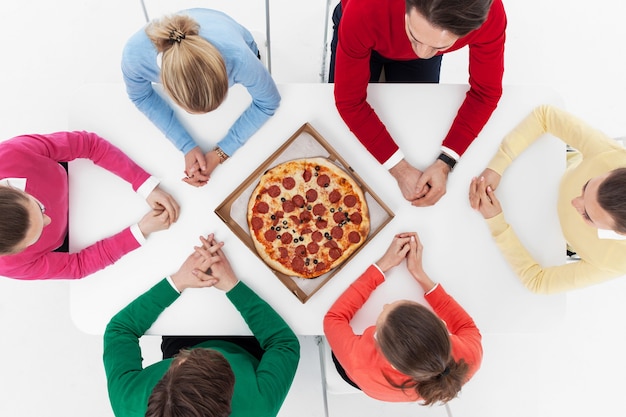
pixel 601 259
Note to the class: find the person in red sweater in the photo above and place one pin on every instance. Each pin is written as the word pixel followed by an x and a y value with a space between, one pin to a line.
pixel 407 38
pixel 410 354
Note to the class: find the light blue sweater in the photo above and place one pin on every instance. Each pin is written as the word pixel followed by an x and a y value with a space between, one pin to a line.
pixel 235 43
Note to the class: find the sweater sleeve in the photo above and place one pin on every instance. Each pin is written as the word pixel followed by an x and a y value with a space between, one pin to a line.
pixel 67 146
pixel 486 69
pixel 549 119
pixel 337 328
pixel 136 73
pixel 278 365
pixel 122 353
pixel 61 265
pixel 465 336
pixel 251 73
pixel 537 278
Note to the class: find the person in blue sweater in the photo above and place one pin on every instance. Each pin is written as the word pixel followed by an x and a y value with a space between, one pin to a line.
pixel 197 55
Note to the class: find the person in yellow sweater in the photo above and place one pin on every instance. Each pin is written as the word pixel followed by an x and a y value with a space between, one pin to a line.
pixel 591 203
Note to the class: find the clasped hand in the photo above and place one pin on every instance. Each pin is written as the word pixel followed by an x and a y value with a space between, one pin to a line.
pixel 198 166
pixel 482 196
pixel 207 266
pixel 422 189
pixel 406 246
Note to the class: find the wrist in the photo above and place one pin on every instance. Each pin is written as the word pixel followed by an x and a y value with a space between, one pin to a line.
pixel 221 155
pixel 443 165
pixel 177 282
pixel 397 170
pixel 447 160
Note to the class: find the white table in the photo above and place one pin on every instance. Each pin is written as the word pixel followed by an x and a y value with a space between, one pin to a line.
pixel 459 251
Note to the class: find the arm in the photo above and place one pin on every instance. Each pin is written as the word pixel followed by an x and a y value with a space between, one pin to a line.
pixel 486 69
pixel 122 353
pixel 139 69
pixel 464 334
pixel 549 119
pixel 251 73
pixel 537 278
pixel 278 365
pixel 337 329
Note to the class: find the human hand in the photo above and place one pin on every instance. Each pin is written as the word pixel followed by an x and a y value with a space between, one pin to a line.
pixel 192 273
pixel 160 200
pixel 407 177
pixel 483 199
pixel 492 178
pixel 414 263
pixel 153 221
pixel 395 253
pixel 221 271
pixel 435 176
pixel 195 168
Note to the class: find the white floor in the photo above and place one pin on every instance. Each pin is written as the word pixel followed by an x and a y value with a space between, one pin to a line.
pixel 51 369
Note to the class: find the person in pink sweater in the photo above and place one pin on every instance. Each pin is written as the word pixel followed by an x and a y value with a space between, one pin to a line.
pixel 410 354
pixel 34 208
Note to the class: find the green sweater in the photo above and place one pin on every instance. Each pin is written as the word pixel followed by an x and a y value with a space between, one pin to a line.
pixel 260 387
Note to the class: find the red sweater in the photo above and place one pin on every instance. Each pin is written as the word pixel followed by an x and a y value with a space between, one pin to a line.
pixel 359 354
pixel 379 25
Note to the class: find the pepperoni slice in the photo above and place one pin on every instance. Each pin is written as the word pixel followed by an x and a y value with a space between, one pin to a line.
pixel 288 206
pixel 289 183
pixel 306 175
pixel 306 230
pixel 331 244
pixel 334 196
pixel 354 237
pixel 262 207
pixel 320 266
pixel 273 191
pixel 298 200
pixel 312 247
pixel 321 224
pixel 279 214
pixel 336 232
pixel 301 250
pixel 257 223
pixel 297 263
pixel 283 252
pixel 305 216
pixel 349 200
pixel 295 219
pixel 286 238
pixel 319 209
pixel 311 195
pixel 269 235
pixel 317 236
pixel 323 180
pixel 334 253
pixel 356 218
pixel 338 217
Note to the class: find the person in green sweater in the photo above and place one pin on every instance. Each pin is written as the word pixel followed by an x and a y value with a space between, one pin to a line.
pixel 213 378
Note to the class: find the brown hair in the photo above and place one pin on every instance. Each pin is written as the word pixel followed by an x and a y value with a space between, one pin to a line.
pixel 612 198
pixel 15 220
pixel 193 72
pixel 199 383
pixel 416 343
pixel 457 16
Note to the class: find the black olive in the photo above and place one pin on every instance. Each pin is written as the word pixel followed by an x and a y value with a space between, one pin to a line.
pixel 309 207
pixel 272 227
pixel 278 228
pixel 340 209
pixel 301 239
pixel 326 185
pixel 315 261
pixel 284 221
pixel 282 199
pixel 273 217
pixel 332 210
pixel 317 167
pixel 277 237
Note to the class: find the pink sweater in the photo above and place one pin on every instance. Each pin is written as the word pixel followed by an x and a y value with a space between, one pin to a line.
pixel 36 157
pixel 359 354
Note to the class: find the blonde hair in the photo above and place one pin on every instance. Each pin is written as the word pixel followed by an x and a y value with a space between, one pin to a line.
pixel 193 72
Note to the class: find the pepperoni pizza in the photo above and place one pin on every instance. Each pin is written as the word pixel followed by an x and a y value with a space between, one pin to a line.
pixel 307 216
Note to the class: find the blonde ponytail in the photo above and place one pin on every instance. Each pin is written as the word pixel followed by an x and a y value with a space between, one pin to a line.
pixel 193 72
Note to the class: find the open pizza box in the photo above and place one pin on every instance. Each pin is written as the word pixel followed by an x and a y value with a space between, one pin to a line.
pixel 305 143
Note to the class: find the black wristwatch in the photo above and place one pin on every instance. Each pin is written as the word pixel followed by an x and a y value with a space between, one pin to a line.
pixel 451 162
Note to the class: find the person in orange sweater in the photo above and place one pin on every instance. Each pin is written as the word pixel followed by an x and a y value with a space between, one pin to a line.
pixel 439 352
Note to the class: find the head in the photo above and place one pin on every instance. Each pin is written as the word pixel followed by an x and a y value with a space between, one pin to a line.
pixel 193 72
pixel 602 201
pixel 435 25
pixel 199 383
pixel 416 343
pixel 22 220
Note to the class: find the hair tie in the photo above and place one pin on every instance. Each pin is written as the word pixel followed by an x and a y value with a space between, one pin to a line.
pixel 444 373
pixel 176 35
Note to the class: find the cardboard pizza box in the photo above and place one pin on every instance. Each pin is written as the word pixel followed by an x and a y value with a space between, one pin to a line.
pixel 306 142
